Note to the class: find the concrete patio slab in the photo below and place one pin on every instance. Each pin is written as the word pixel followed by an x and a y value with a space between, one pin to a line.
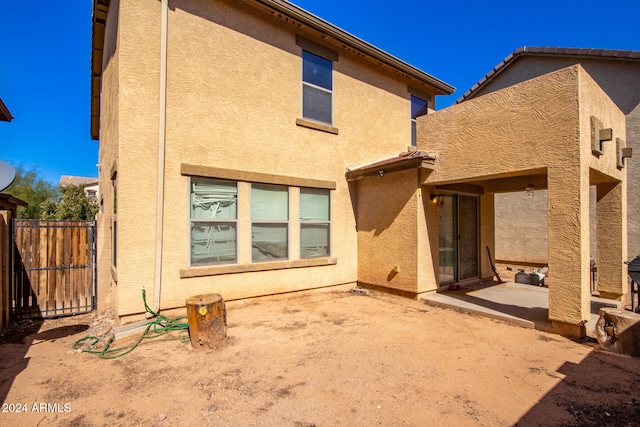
pixel 523 305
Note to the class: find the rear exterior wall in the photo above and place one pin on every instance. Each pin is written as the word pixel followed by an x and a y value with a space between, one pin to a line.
pixel 233 97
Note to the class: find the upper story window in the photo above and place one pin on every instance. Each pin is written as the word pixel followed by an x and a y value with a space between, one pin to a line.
pixel 214 213
pixel 317 88
pixel 418 108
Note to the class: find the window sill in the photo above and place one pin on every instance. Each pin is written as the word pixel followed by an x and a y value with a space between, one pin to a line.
pixel 215 270
pixel 317 126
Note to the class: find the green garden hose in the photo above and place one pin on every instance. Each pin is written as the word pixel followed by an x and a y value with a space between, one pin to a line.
pixel 158 326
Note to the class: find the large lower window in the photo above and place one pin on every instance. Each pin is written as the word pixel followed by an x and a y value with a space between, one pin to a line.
pixel 317 88
pixel 269 222
pixel 248 224
pixel 315 215
pixel 214 214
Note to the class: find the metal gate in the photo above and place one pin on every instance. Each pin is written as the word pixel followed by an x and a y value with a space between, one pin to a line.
pixel 54 268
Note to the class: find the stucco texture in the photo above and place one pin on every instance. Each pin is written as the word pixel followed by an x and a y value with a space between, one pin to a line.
pixel 618 79
pixel 233 95
pixel 537 131
pixel 387 231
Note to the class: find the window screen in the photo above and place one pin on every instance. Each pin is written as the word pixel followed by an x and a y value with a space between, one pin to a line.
pixel 317 88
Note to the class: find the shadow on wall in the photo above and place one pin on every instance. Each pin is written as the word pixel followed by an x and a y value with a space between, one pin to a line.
pixel 380 201
pixel 602 390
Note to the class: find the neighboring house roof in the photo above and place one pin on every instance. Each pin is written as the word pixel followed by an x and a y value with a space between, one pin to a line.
pixel 5 115
pixel 620 55
pixel 78 181
pixel 404 161
pixel 101 7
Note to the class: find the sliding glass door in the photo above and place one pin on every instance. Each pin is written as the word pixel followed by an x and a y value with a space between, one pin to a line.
pixel 458 238
pixel 468 237
pixel 448 240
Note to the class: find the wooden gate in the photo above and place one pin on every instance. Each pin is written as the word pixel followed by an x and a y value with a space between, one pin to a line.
pixel 54 268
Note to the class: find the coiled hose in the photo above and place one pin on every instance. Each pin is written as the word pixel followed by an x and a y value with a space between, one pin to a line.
pixel 157 327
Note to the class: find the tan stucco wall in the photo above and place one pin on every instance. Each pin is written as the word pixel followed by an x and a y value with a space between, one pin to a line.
pixel 106 295
pixel 108 157
pixel 520 132
pixel 521 227
pixel 233 97
pixel 470 147
pixel 611 209
pixel 428 241
pixel 619 80
pixel 633 181
pixel 388 230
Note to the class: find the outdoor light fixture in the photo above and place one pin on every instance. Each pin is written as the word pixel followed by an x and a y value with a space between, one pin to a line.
pixel 437 199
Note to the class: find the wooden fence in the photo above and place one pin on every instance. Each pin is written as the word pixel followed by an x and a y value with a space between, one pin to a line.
pixel 54 268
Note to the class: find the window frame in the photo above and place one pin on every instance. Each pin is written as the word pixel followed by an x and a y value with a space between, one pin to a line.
pixel 316 87
pixel 193 221
pixel 315 222
pixel 414 123
pixel 286 222
pixel 244 179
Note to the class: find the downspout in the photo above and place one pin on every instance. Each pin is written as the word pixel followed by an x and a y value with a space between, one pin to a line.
pixel 161 154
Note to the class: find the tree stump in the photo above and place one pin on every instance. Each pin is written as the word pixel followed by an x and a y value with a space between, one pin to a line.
pixel 618 331
pixel 207 318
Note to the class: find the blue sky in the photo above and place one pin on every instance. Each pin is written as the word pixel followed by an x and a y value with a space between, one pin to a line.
pixel 45 51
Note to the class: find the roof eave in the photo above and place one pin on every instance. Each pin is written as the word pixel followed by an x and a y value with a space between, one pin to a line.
pixel 99 21
pixel 394 164
pixel 5 115
pixel 345 37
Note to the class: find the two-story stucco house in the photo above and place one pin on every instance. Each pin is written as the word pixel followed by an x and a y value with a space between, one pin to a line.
pixel 250 148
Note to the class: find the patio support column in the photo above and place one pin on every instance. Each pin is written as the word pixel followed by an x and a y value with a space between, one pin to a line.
pixel 612 239
pixel 569 293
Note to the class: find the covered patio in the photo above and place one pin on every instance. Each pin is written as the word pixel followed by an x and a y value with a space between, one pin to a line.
pixel 558 132
pixel 426 218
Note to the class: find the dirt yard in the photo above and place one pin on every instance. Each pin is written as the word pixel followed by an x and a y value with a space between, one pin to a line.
pixel 323 359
